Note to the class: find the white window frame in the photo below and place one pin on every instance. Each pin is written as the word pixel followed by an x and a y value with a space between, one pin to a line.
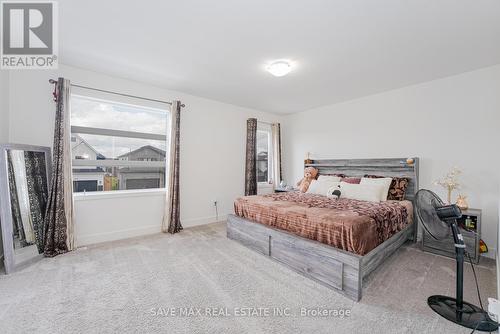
pixel 266 127
pixel 121 163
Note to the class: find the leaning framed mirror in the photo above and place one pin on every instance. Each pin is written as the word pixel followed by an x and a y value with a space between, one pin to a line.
pixel 25 172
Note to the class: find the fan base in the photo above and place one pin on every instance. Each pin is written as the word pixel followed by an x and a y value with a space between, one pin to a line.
pixel 470 316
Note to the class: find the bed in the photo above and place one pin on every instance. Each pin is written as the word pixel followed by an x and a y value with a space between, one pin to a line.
pixel 335 242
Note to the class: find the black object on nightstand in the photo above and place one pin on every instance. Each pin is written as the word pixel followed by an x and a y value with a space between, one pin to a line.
pixel 282 190
pixel 471 234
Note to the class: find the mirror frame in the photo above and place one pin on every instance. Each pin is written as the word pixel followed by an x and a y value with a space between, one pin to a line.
pixel 10 264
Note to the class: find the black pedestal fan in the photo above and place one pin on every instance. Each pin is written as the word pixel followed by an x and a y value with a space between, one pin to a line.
pixel 438 219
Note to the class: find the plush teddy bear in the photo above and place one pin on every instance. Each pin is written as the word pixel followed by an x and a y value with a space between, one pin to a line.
pixel 310 174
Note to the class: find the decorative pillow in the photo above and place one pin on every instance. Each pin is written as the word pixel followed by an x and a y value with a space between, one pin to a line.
pixel 397 189
pixel 330 178
pixel 362 192
pixel 319 187
pixel 384 181
pixel 334 192
pixel 353 180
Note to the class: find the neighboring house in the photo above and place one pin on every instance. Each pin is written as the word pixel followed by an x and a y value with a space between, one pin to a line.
pixel 86 178
pixel 262 167
pixel 142 177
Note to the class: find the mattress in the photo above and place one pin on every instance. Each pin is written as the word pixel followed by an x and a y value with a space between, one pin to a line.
pixel 352 225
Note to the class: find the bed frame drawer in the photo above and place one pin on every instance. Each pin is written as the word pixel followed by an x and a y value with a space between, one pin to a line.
pixel 256 238
pixel 332 267
pixel 307 261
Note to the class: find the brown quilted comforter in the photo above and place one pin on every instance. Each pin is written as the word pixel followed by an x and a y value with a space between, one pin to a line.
pixel 351 225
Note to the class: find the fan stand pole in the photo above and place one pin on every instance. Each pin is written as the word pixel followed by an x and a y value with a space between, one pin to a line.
pixel 455 309
pixel 460 254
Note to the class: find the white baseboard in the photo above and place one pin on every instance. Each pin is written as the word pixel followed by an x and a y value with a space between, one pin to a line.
pixel 492 251
pixel 203 221
pixel 96 238
pixel 90 239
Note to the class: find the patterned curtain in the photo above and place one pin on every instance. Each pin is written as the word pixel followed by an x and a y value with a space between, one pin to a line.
pixel 14 203
pixel 276 138
pixel 251 157
pixel 59 217
pixel 171 218
pixel 19 171
pixel 36 179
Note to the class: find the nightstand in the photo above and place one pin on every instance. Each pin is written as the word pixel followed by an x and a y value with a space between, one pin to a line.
pixel 446 247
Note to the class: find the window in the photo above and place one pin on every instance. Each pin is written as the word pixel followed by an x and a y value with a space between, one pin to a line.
pixel 117 146
pixel 264 154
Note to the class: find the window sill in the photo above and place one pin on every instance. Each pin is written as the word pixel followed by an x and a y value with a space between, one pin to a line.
pixel 98 195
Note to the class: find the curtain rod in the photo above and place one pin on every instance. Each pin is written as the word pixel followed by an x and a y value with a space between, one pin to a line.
pixel 52 81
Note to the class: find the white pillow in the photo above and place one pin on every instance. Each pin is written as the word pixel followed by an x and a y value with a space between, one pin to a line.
pixel 384 181
pixel 331 178
pixel 320 187
pixel 362 192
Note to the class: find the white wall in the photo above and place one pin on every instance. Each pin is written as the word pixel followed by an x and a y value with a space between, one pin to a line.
pixel 213 136
pixel 449 122
pixel 4 122
pixel 4 106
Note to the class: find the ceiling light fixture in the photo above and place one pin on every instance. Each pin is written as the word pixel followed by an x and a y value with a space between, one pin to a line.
pixel 279 68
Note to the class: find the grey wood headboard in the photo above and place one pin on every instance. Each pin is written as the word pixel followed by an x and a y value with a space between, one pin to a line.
pixel 393 167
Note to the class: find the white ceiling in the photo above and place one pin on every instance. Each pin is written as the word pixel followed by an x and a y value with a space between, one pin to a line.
pixel 218 49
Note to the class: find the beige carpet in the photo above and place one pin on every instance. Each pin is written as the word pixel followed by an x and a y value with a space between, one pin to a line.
pixel 129 286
